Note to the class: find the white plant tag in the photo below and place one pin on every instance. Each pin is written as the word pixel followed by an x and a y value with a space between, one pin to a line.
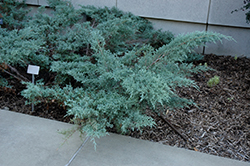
pixel 32 69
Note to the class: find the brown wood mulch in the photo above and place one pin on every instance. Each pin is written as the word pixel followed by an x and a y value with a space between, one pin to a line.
pixel 218 125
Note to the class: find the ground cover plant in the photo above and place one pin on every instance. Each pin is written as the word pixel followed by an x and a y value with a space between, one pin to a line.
pixel 104 66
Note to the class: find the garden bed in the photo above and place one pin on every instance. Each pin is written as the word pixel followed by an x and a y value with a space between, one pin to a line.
pixel 218 125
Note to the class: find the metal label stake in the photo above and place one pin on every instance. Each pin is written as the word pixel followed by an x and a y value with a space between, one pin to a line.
pixel 34 70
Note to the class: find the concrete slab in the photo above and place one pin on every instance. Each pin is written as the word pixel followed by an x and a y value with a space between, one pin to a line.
pixel 29 140
pixel 43 3
pixel 76 3
pixel 97 3
pixel 182 10
pixel 114 150
pixel 239 48
pixel 177 27
pixel 220 13
pixel 31 2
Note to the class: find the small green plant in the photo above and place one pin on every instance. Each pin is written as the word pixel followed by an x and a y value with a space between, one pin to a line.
pixel 235 57
pixel 213 81
pixel 230 99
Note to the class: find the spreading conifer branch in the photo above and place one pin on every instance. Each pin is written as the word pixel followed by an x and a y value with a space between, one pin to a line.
pixel 108 69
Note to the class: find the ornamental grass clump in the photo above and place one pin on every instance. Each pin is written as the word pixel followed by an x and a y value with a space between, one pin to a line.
pixel 107 69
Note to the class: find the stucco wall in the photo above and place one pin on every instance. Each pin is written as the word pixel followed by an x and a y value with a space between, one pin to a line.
pixel 187 16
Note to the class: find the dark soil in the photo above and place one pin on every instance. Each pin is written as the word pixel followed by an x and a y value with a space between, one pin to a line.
pixel 218 125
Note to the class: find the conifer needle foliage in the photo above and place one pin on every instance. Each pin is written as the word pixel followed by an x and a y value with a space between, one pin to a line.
pixel 14 13
pixel 110 66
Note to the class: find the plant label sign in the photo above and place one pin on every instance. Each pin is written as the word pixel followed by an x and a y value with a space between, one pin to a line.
pixel 32 69
pixel 1 21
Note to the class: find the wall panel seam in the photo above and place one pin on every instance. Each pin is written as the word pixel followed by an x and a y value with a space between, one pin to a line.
pixel 191 22
pixel 208 13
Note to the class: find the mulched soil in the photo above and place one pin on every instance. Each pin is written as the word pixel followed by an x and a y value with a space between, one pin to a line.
pixel 218 125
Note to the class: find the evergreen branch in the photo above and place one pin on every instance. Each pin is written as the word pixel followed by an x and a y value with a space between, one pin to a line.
pixel 15 70
pixel 13 75
pixel 170 125
pixel 207 37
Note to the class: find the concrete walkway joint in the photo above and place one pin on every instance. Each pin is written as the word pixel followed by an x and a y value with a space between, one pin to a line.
pixel 29 140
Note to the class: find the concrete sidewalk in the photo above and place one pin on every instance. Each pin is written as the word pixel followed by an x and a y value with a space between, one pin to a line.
pixel 27 140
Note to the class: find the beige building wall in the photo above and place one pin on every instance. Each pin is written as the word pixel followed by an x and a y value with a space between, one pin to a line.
pixel 187 16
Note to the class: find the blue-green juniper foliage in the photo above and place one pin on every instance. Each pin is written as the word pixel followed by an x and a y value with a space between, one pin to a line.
pixel 110 66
